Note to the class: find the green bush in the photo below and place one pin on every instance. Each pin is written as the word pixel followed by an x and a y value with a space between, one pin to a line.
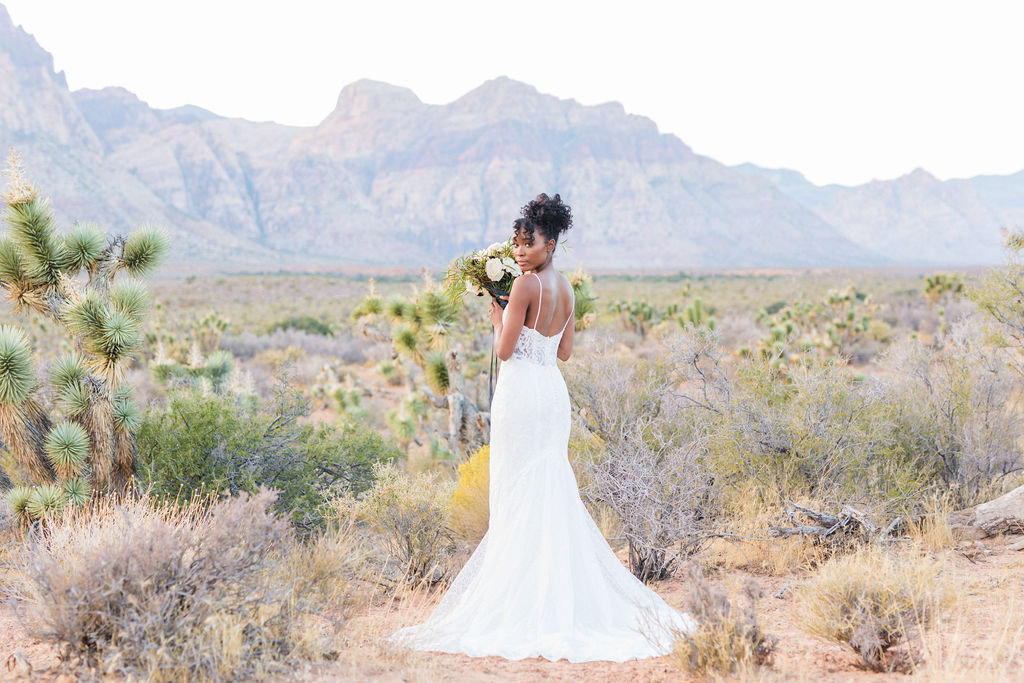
pixel 406 516
pixel 303 323
pixel 202 442
pixel 953 412
pixel 813 432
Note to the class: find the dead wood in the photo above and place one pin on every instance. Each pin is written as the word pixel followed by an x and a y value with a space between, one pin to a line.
pixel 1004 515
pixel 850 522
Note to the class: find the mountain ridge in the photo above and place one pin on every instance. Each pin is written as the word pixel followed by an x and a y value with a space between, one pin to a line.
pixel 386 179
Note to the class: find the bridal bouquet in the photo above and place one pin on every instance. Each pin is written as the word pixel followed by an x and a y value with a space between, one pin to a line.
pixel 488 271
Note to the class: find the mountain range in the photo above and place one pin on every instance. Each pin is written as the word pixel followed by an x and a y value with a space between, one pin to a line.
pixel 386 179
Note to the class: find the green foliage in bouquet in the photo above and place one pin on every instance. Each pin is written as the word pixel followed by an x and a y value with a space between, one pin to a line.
pixel 72 279
pixel 488 271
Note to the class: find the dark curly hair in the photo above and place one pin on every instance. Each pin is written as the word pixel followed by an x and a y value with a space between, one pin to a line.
pixel 548 214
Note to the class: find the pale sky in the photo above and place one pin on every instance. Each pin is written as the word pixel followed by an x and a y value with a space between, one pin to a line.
pixel 841 91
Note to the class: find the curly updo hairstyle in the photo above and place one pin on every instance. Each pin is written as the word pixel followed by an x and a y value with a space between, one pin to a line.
pixel 548 214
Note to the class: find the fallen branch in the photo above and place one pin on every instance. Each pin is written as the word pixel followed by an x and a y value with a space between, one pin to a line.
pixel 850 521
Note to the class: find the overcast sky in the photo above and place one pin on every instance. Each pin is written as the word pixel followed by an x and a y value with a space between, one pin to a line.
pixel 841 91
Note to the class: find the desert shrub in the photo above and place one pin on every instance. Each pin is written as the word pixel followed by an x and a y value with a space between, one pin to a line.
pixel 343 346
pixel 641 452
pixel 439 350
pixel 815 432
pixel 202 442
pixel 470 503
pixel 998 294
pixel 303 323
pixel 162 592
pixel 934 529
pixel 955 411
pixel 807 329
pixel 405 516
pixel 871 600
pixel 728 637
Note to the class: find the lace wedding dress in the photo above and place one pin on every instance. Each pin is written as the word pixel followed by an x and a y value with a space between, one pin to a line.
pixel 543 581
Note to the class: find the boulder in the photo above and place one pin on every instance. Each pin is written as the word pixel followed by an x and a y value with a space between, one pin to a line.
pixel 1002 515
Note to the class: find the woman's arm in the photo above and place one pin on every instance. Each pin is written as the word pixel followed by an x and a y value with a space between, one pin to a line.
pixel 524 290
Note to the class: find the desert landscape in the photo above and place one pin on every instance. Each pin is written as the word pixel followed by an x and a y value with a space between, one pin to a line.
pixel 245 405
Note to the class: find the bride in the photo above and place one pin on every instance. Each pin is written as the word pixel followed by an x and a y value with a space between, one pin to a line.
pixel 543 581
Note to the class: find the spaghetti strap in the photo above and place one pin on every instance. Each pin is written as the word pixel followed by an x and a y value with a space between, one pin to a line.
pixel 572 309
pixel 536 318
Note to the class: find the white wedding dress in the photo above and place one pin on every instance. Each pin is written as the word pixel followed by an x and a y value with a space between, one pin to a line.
pixel 543 581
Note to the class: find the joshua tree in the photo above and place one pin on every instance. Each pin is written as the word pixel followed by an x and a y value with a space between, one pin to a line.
pixel 636 315
pixel 939 284
pixel 439 350
pixel 71 279
pixel 824 327
pixel 698 315
pixel 420 329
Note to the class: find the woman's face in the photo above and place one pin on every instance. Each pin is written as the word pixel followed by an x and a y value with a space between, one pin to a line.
pixel 531 252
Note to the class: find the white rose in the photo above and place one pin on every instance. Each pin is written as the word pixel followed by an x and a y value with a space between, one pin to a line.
pixel 511 266
pixel 472 287
pixel 494 248
pixel 494 269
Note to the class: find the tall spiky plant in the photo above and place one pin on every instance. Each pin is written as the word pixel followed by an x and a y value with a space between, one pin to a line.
pixel 442 348
pixel 71 278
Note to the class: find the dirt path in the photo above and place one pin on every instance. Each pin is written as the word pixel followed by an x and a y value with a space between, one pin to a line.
pixel 982 638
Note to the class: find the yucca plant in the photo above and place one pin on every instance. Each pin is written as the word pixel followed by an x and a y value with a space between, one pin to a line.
pixel 440 349
pixel 212 370
pixel 420 330
pixel 88 283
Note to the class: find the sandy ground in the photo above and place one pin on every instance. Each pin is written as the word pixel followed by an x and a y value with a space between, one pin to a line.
pixel 982 639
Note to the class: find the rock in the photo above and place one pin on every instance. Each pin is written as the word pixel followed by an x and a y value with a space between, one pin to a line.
pixel 17 665
pixel 1002 515
pixel 1019 545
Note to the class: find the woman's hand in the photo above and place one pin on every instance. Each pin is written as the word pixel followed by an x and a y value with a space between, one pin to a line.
pixel 496 312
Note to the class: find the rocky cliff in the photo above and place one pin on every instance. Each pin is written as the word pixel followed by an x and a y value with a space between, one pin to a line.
pixel 388 179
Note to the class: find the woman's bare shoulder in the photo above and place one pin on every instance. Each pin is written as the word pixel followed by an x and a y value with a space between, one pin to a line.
pixel 524 285
pixel 565 282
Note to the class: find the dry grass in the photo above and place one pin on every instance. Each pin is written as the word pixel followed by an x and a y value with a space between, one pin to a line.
pixel 172 593
pixel 872 600
pixel 933 530
pixel 728 638
pixel 405 521
pixel 956 653
pixel 750 515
